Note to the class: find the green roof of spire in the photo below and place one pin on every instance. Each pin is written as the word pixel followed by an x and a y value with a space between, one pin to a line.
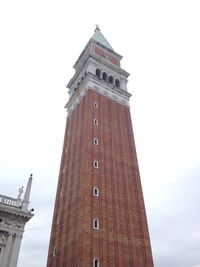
pixel 98 37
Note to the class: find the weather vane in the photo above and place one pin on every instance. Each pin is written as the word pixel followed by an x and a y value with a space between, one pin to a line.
pixel 97 27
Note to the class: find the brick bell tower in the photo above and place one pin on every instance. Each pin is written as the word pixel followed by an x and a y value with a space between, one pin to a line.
pixel 99 217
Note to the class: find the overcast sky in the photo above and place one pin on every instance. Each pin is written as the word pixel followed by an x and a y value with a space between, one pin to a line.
pixel 160 43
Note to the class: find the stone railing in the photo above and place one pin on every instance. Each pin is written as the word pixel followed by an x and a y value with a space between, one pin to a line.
pixel 9 201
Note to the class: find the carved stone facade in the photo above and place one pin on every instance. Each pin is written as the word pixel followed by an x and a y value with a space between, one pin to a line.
pixel 14 214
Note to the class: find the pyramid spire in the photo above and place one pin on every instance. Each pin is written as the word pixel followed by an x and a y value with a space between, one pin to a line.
pixel 98 37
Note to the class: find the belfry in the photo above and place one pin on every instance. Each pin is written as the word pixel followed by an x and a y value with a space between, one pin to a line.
pixel 99 215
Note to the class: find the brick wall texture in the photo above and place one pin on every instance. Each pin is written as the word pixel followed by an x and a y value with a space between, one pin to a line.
pixel 122 239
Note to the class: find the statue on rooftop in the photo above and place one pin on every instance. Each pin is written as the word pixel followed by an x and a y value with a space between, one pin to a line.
pixel 20 192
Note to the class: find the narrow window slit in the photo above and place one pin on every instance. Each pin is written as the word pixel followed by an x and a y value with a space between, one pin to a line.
pixel 96 191
pixel 96 224
pixel 95 122
pixel 95 141
pixel 96 164
pixel 95 104
pixel 96 262
pixel 54 252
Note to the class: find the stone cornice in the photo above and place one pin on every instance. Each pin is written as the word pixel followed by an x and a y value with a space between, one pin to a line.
pixel 15 211
pixel 93 83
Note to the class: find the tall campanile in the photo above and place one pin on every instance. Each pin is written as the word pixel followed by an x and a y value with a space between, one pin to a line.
pixel 99 216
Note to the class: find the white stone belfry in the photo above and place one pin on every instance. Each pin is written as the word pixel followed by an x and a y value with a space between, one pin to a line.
pixel 98 69
pixel 14 214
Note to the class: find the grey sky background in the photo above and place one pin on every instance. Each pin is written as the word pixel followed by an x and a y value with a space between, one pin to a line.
pixel 160 44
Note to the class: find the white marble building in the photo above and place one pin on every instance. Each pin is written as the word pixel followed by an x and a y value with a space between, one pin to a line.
pixel 14 214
